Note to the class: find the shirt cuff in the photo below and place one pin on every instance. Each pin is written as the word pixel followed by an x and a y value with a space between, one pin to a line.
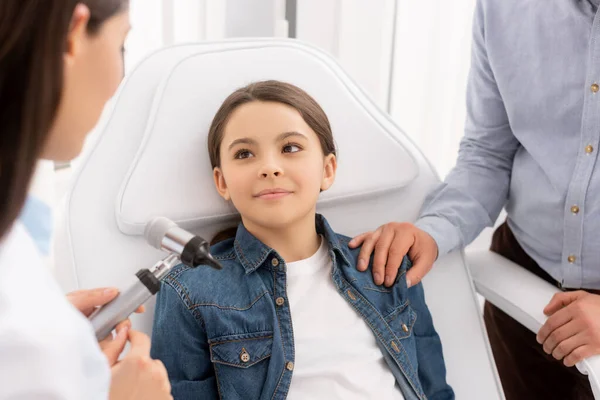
pixel 446 236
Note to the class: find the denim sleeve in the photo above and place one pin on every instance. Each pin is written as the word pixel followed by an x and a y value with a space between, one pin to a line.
pixel 180 342
pixel 474 192
pixel 432 368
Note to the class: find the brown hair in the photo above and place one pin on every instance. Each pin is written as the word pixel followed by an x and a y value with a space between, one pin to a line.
pixel 33 38
pixel 268 91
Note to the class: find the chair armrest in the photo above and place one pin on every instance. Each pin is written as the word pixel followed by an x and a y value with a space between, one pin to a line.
pixel 522 295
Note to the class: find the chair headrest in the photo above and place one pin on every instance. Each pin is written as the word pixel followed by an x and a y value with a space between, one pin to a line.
pixel 370 158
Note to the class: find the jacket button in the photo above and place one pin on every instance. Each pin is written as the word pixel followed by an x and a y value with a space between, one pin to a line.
pixel 244 356
pixel 571 259
pixel 280 301
pixel 289 366
pixel 404 328
pixel 274 262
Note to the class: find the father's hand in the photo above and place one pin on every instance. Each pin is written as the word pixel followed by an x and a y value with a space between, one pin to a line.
pixel 391 243
pixel 572 331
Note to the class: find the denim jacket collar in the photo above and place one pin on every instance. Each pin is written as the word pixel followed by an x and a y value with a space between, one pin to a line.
pixel 252 253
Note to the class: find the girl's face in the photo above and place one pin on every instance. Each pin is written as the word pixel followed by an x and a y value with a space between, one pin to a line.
pixel 272 165
pixel 93 69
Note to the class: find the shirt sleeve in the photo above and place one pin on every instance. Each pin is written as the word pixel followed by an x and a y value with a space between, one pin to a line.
pixel 476 189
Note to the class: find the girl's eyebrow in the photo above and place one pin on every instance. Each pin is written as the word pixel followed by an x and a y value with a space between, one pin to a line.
pixel 252 142
pixel 286 135
pixel 247 141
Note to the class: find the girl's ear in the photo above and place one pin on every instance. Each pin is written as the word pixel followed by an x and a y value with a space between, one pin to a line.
pixel 220 183
pixel 329 170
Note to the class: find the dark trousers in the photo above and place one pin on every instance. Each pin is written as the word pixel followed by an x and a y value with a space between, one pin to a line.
pixel 526 371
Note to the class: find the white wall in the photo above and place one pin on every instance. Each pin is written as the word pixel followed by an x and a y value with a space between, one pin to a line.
pixel 359 33
pixel 159 23
pixel 431 64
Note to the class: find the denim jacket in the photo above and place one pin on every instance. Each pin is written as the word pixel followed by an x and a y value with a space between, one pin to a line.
pixel 228 334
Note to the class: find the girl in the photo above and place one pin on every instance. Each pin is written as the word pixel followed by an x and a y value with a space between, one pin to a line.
pixel 289 315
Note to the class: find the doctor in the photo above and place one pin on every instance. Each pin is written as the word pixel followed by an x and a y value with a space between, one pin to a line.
pixel 60 61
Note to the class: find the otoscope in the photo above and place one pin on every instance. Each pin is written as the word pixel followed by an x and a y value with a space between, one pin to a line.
pixel 182 246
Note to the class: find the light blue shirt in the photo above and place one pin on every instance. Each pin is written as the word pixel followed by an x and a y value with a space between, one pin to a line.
pixel 36 216
pixel 531 137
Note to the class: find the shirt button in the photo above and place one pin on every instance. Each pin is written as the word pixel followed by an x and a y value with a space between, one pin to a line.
pixel 244 356
pixel 575 209
pixel 274 262
pixel 289 366
pixel 589 149
pixel 595 88
pixel 280 301
pixel 571 259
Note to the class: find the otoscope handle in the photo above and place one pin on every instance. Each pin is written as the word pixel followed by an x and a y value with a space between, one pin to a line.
pixel 128 300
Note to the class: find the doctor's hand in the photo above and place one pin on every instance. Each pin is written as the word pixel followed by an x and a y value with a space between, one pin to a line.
pixel 392 242
pixel 572 331
pixel 137 376
pixel 88 300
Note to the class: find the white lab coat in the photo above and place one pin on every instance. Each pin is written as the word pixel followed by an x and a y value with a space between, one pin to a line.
pixel 48 349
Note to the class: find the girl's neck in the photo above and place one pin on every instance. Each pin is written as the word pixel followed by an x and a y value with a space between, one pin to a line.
pixel 297 241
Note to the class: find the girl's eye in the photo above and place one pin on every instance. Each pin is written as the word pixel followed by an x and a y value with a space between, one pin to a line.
pixel 243 153
pixel 291 148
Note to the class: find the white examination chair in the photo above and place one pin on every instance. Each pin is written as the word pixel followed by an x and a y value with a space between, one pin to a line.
pixel 523 296
pixel 150 159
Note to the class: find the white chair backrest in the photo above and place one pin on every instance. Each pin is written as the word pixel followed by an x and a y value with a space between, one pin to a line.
pixel 150 159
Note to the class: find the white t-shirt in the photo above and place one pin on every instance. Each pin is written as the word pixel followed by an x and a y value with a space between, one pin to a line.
pixel 48 349
pixel 337 356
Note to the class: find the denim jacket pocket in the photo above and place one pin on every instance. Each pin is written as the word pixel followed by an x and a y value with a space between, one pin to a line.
pixel 241 364
pixel 243 351
pixel 402 320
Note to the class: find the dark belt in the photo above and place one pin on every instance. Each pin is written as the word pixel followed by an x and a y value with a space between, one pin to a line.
pixel 505 244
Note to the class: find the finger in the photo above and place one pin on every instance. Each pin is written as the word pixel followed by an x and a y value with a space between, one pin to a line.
pixel 109 338
pixel 554 322
pixel 357 240
pixel 560 335
pixel 421 267
pixel 113 347
pixel 365 251
pixel 382 248
pixel 141 309
pixel 140 343
pixel 561 300
pixel 580 354
pixel 162 374
pixel 160 368
pixel 398 249
pixel 86 301
pixel 567 346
